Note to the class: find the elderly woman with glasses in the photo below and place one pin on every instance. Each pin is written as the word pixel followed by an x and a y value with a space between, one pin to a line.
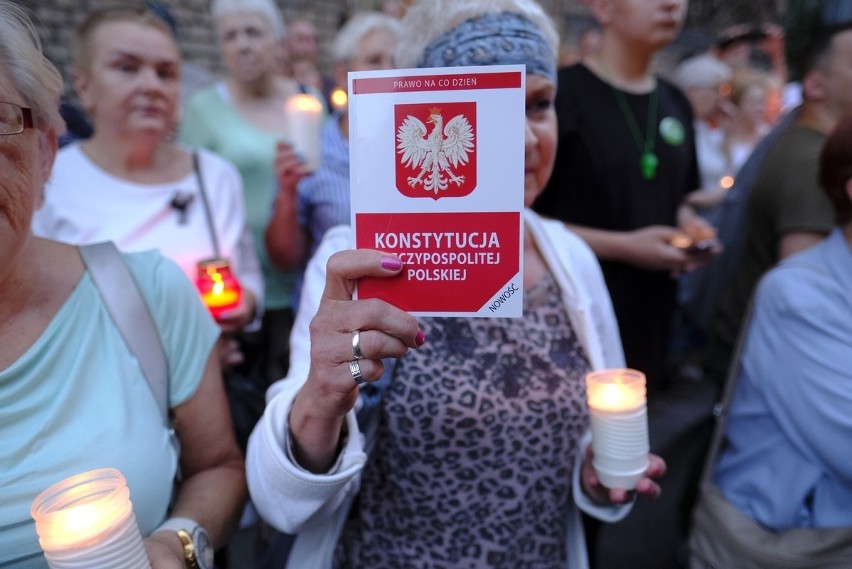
pixel 73 398
pixel 479 456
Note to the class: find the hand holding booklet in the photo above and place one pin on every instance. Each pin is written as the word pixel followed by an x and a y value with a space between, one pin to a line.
pixel 437 177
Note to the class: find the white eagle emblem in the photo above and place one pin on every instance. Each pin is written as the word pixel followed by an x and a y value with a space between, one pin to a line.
pixel 434 154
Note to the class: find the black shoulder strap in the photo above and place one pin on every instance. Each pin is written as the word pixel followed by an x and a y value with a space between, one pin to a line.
pixel 131 315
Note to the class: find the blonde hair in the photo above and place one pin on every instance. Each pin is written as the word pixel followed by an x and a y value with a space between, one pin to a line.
pixel 703 71
pixel 266 8
pixel 357 28
pixel 425 20
pixel 33 75
pixel 746 79
pixel 83 47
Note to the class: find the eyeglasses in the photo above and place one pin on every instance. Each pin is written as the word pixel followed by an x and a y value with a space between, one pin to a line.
pixel 14 118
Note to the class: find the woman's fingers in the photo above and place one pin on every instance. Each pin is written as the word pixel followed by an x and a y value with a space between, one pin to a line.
pixel 289 166
pixel 346 267
pixel 384 331
pixel 366 370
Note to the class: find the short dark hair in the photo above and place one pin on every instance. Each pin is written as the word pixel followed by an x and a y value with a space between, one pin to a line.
pixel 835 169
pixel 809 27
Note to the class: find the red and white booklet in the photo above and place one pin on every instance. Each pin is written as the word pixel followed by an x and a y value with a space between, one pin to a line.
pixel 437 177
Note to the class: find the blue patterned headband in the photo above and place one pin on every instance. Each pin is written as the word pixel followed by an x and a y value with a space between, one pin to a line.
pixel 493 39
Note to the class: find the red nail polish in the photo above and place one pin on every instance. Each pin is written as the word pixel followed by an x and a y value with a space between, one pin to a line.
pixel 391 263
pixel 420 338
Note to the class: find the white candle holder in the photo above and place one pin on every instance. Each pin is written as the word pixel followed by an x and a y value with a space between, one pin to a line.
pixel 619 422
pixel 87 521
pixel 304 118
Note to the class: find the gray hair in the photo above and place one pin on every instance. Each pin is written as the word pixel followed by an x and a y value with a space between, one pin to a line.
pixel 425 20
pixel 33 75
pixel 703 71
pixel 357 28
pixel 266 8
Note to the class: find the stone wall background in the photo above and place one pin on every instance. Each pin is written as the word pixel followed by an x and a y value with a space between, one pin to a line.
pixel 56 20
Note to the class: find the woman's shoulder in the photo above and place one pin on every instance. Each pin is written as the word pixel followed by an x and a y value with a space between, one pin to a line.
pixel 801 283
pixel 153 271
pixel 169 293
pixel 557 232
pixel 70 155
pixel 213 162
pixel 207 96
pixel 73 171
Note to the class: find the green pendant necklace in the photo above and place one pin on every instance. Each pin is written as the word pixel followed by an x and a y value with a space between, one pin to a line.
pixel 648 161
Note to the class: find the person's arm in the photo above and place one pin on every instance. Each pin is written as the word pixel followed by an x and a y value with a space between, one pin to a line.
pixel 329 393
pixel 250 275
pixel 804 216
pixel 699 231
pixel 304 462
pixel 797 356
pixel 648 248
pixel 798 241
pixel 287 241
pixel 274 477
pixel 213 489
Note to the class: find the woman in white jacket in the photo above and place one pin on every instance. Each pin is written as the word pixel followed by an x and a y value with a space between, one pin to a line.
pixel 477 454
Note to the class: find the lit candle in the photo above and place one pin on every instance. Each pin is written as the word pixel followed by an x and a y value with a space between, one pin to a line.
pixel 304 118
pixel 619 422
pixel 339 100
pixel 87 520
pixel 680 240
pixel 220 290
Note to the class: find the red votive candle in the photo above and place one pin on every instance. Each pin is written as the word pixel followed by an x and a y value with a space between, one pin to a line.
pixel 219 289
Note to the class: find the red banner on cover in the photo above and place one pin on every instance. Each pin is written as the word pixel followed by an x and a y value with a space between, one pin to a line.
pixel 453 262
pixel 455 82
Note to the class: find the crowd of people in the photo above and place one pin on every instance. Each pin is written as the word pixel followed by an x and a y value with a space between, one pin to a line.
pixel 660 205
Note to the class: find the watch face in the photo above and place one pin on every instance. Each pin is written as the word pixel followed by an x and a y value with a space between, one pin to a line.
pixel 203 549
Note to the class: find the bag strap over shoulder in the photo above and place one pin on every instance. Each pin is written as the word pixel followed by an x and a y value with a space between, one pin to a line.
pixel 721 409
pixel 127 307
pixel 208 212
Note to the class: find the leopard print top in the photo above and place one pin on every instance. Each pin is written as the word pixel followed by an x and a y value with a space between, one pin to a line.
pixel 476 444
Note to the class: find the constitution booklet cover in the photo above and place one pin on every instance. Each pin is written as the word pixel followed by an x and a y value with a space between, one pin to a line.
pixel 437 177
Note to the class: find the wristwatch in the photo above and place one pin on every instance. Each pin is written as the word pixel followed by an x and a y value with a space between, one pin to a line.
pixel 197 550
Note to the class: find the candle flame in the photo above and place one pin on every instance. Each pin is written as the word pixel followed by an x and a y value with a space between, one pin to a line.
pixel 613 396
pixel 304 103
pixel 614 391
pixel 219 290
pixel 680 240
pixel 339 98
pixel 78 511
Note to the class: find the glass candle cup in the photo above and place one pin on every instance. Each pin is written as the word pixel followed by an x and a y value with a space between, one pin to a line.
pixel 87 521
pixel 219 288
pixel 619 423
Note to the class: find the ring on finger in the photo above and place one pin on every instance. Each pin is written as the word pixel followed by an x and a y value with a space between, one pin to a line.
pixel 356 345
pixel 355 370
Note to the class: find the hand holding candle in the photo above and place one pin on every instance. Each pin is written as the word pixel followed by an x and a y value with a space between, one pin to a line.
pixel 87 521
pixel 219 289
pixel 304 118
pixel 619 422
